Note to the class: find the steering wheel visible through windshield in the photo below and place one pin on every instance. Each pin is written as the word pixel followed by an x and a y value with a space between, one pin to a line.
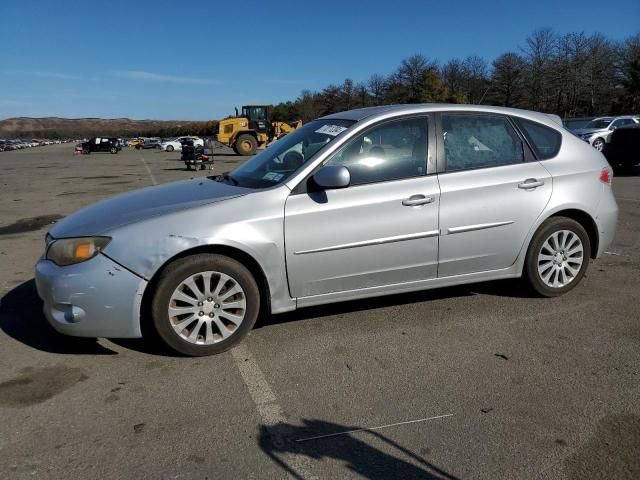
pixel 282 158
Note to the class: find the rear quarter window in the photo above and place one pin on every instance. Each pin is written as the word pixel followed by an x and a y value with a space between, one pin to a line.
pixel 545 141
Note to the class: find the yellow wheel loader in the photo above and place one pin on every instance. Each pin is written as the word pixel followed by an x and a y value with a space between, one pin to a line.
pixel 252 130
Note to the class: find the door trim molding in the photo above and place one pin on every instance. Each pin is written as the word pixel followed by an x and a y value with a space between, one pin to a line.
pixel 480 226
pixel 375 241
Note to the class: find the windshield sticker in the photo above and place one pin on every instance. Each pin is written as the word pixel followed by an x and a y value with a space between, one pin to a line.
pixel 333 130
pixel 273 176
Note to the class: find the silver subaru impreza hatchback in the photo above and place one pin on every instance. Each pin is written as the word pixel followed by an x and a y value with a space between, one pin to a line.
pixel 362 203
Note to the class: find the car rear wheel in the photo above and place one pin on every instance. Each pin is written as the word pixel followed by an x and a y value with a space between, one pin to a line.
pixel 113 150
pixel 558 256
pixel 169 148
pixel 598 144
pixel 205 304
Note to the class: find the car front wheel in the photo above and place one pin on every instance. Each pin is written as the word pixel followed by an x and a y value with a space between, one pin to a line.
pixel 558 256
pixel 169 148
pixel 205 304
pixel 246 145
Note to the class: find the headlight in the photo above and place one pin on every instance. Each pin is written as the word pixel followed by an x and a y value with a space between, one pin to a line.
pixel 67 251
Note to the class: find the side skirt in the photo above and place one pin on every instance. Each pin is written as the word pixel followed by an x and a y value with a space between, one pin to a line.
pixel 510 272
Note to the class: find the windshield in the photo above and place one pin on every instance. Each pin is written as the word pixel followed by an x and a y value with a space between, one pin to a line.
pixel 278 162
pixel 255 113
pixel 599 123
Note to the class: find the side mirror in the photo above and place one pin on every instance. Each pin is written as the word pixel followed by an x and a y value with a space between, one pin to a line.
pixel 332 176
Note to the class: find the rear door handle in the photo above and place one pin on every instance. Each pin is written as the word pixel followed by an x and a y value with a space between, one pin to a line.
pixel 415 200
pixel 530 183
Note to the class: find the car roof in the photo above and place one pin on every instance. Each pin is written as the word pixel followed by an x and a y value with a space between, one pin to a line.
pixel 394 110
pixel 618 117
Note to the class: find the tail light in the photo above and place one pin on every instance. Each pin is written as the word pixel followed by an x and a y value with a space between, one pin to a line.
pixel 605 176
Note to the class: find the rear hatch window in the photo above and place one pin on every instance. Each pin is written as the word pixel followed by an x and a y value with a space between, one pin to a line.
pixel 545 141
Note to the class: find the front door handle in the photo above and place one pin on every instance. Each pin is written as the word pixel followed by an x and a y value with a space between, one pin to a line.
pixel 415 200
pixel 530 183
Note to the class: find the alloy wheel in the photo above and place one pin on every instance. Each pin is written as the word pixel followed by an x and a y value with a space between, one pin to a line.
pixel 598 144
pixel 207 307
pixel 560 258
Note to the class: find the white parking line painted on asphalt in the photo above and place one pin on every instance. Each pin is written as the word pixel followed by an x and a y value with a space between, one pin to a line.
pixel 259 389
pixel 269 410
pixel 370 429
pixel 153 179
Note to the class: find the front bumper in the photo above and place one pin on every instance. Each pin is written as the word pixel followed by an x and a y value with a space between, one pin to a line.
pixel 96 298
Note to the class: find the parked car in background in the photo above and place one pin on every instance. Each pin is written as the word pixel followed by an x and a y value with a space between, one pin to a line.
pixel 99 144
pixel 623 150
pixel 148 143
pixel 576 123
pixel 352 205
pixel 134 142
pixel 172 144
pixel 598 131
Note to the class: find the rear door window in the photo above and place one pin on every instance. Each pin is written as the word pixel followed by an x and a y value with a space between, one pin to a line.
pixel 479 141
pixel 545 141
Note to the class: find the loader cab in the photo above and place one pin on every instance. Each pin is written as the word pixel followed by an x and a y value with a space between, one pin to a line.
pixel 258 116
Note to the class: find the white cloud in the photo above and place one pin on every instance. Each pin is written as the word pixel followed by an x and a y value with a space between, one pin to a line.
pixel 58 75
pixel 159 77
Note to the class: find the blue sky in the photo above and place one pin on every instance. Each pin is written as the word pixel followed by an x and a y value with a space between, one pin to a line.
pixel 197 59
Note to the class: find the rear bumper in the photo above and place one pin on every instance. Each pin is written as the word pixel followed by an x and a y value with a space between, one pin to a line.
pixel 606 220
pixel 97 298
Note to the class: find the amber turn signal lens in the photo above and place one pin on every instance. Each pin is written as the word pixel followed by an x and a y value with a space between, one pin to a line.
pixel 83 251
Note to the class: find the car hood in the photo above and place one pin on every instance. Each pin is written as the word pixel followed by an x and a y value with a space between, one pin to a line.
pixel 584 131
pixel 102 217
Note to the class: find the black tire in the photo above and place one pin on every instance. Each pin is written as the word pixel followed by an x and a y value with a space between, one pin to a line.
pixel 182 269
pixel 548 228
pixel 113 150
pixel 170 148
pixel 246 145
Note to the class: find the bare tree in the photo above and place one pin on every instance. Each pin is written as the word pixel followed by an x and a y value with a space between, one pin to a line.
pixel 376 86
pixel 507 79
pixel 539 52
pixel 453 76
pixel 410 73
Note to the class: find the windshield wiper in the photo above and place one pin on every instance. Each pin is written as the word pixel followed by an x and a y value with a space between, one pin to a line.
pixel 226 176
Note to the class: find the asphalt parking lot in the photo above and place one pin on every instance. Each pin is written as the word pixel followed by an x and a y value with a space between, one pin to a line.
pixel 479 381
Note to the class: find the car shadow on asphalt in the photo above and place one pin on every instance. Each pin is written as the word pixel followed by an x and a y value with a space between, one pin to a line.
pixel 21 318
pixel 286 444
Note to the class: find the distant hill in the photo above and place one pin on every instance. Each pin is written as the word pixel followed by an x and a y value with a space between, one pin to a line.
pixel 54 127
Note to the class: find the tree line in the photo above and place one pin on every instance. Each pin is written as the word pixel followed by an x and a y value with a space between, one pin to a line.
pixel 80 128
pixel 571 75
